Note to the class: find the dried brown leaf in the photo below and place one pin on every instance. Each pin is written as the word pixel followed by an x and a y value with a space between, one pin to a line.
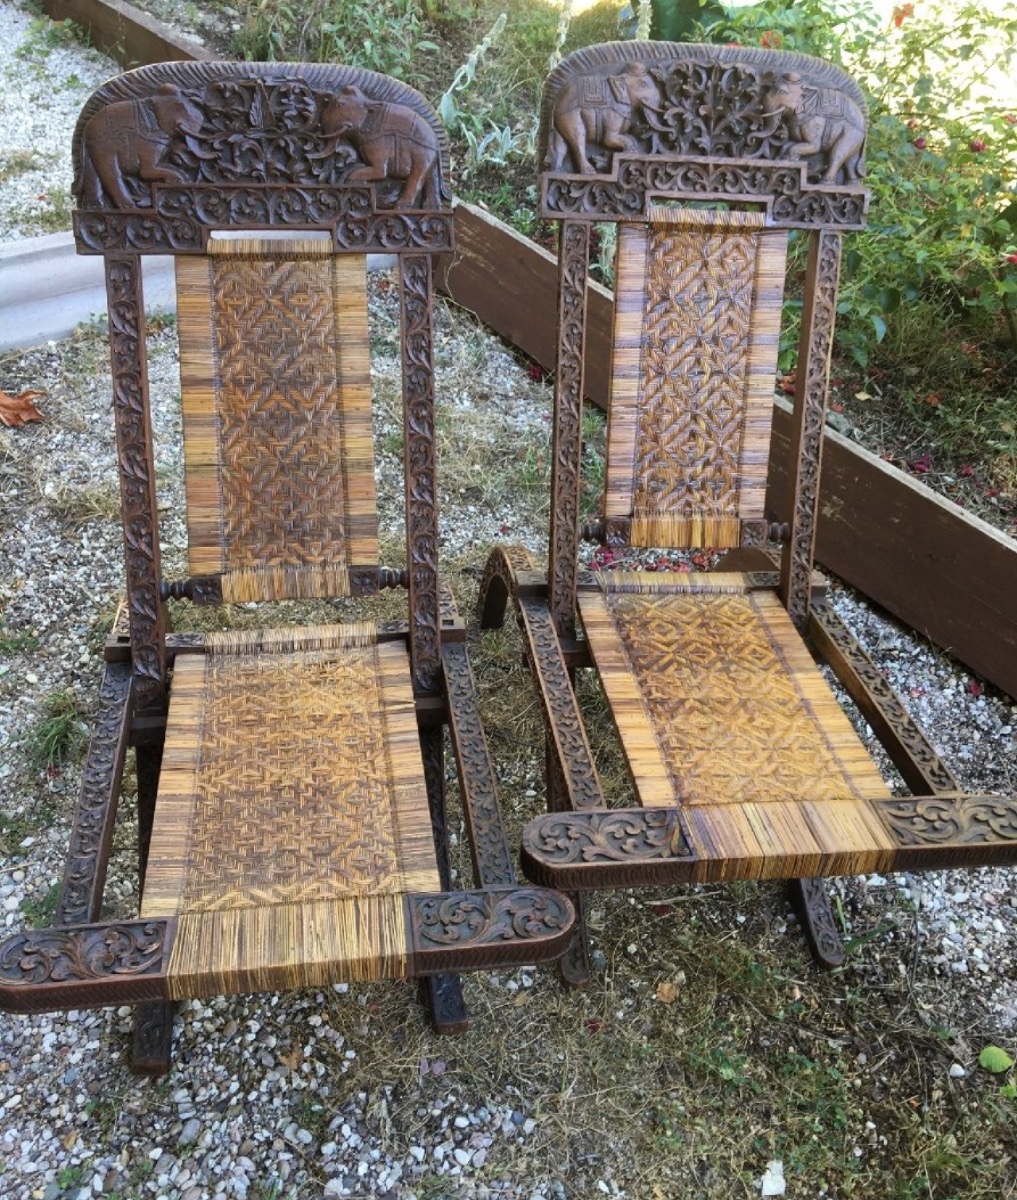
pixel 19 409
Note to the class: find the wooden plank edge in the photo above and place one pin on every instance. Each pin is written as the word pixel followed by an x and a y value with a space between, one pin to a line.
pixel 126 33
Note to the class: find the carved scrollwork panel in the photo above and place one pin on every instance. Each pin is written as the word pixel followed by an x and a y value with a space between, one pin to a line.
pixel 561 709
pixel 86 966
pixel 912 752
pixel 463 931
pixel 951 820
pixel 811 899
pixel 808 422
pixel 166 152
pixel 611 848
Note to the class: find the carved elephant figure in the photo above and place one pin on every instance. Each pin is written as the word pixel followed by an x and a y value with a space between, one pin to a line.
pixel 392 141
pixel 601 109
pixel 820 120
pixel 130 138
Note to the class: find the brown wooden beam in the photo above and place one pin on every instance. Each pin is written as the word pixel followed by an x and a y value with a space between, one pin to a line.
pixel 942 571
pixel 126 33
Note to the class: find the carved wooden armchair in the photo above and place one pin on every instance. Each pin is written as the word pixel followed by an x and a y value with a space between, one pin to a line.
pixel 291 780
pixel 744 766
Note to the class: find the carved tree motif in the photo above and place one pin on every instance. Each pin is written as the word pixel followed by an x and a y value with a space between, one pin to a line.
pixel 775 127
pixel 167 151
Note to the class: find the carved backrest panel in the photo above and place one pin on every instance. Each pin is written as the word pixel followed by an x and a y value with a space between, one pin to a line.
pixel 166 153
pixel 697 325
pixel 278 447
pixel 270 183
pixel 628 123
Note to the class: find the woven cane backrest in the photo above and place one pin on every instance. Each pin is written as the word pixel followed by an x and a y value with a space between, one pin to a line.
pixel 270 183
pixel 697 327
pixel 276 385
pixel 704 157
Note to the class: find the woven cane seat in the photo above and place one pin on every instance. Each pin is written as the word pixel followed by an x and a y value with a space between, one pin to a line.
pixel 722 711
pixel 292 812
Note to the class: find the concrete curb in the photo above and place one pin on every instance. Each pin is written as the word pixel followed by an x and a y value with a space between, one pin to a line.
pixel 46 289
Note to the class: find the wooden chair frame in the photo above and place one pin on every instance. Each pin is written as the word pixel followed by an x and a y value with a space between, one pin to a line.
pixel 164 157
pixel 626 130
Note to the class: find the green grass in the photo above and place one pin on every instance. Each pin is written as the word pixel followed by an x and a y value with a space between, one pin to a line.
pixel 58 736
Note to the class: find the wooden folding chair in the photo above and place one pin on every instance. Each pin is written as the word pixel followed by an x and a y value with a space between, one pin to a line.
pixel 291 780
pixel 743 764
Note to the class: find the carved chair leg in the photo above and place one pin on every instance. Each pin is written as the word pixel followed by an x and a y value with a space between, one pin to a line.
pixel 148 759
pixel 443 994
pixel 152 1050
pixel 811 901
pixel 574 965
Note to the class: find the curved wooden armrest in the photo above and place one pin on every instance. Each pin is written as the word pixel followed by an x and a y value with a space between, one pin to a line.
pixel 129 962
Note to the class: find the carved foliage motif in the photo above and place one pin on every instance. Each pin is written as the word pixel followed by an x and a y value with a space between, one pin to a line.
pixel 960 820
pixel 621 835
pixel 811 899
pixel 560 706
pixel 421 487
pixel 781 127
pixel 168 151
pixel 488 918
pixel 492 859
pixel 84 870
pixel 568 400
pixel 814 353
pixel 137 488
pixel 90 964
pixel 252 126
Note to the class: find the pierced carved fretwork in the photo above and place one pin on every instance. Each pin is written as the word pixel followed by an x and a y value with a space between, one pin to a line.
pixel 169 151
pixel 626 122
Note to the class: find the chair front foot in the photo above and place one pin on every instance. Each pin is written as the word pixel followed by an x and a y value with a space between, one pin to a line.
pixel 444 997
pixel 152 1049
pixel 811 900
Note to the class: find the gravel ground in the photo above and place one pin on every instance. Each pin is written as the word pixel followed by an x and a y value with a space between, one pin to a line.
pixel 290 1096
pixel 46 76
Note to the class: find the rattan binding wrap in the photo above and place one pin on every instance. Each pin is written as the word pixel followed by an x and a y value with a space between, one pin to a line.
pixel 722 710
pixel 278 446
pixel 697 327
pixel 292 811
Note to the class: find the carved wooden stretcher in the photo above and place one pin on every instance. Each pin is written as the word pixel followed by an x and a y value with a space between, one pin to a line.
pixel 291 781
pixel 742 762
